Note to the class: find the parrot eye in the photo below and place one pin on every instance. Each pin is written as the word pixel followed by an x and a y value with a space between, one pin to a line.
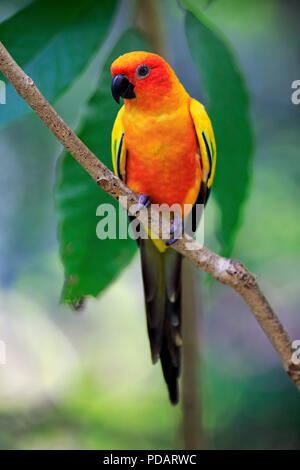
pixel 143 71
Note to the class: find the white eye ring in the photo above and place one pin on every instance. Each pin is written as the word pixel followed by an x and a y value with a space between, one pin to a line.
pixel 143 71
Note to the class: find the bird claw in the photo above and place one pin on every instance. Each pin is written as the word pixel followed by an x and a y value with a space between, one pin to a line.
pixel 144 201
pixel 177 229
pixel 176 223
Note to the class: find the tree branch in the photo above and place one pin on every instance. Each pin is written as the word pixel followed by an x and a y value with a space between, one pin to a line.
pixel 226 271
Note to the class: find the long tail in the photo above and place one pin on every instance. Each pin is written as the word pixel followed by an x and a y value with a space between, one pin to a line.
pixel 162 287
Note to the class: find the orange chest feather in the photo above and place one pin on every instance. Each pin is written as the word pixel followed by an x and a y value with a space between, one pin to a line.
pixel 162 159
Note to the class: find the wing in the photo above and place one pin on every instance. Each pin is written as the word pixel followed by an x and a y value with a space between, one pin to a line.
pixel 207 148
pixel 118 149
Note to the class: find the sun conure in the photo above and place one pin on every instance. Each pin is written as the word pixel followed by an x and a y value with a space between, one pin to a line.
pixel 163 148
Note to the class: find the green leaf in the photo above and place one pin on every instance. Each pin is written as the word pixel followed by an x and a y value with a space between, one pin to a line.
pixel 53 41
pixel 91 264
pixel 228 107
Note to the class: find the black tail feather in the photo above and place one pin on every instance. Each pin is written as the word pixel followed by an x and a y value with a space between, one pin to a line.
pixel 162 287
pixel 170 355
pixel 171 374
pixel 153 278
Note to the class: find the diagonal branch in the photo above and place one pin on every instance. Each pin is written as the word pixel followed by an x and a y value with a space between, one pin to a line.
pixel 226 271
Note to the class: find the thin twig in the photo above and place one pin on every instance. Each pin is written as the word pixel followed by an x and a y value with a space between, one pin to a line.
pixel 149 19
pixel 226 271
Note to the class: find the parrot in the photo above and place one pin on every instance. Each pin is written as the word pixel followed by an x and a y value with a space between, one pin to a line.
pixel 164 149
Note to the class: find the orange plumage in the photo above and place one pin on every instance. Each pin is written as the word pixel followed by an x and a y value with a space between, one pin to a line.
pixel 159 133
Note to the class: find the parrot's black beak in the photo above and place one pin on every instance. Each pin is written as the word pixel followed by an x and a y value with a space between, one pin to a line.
pixel 121 86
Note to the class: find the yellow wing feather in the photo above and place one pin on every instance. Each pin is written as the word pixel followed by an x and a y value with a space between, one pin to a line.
pixel 118 149
pixel 206 140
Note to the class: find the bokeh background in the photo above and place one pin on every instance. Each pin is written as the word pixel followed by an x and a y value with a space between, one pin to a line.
pixel 84 380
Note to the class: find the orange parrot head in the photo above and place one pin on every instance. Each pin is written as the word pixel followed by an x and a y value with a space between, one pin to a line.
pixel 143 77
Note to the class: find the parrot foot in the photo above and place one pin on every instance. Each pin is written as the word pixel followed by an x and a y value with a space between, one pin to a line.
pixel 144 201
pixel 176 230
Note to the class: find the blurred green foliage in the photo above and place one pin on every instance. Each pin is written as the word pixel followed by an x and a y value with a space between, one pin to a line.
pixel 228 108
pixel 91 264
pixel 61 39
